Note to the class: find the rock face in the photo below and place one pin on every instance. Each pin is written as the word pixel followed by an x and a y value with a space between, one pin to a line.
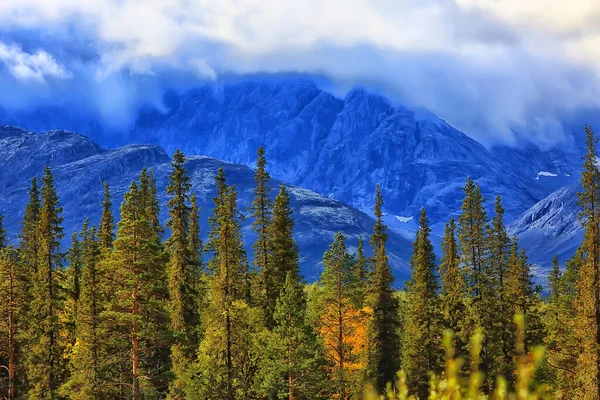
pixel 337 147
pixel 80 166
pixel 340 147
pixel 551 226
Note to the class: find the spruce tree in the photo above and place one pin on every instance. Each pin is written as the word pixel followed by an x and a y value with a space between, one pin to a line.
pixel 136 267
pixel 72 286
pixel 554 280
pixel 421 347
pixel 106 228
pixel 45 363
pixel 384 351
pixel 182 301
pixel 293 366
pixel 28 237
pixel 453 290
pixel 562 344
pixel 284 253
pixel 88 376
pixel 588 301
pixel 261 211
pixel 473 235
pixel 498 301
pixel 227 355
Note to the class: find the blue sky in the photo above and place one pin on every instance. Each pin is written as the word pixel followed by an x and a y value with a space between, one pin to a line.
pixel 495 69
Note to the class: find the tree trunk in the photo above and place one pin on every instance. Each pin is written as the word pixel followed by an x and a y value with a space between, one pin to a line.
pixel 135 352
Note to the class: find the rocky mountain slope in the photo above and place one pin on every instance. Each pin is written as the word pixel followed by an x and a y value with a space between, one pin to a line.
pixel 551 226
pixel 337 147
pixel 80 167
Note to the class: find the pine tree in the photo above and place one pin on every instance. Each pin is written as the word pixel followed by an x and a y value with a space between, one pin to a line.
pixel 12 320
pixel 182 297
pixel 473 235
pixel 293 366
pixel 588 301
pixel 261 211
pixel 284 255
pixel 28 237
pixel 149 201
pixel 453 291
pixel 361 265
pixel 227 355
pixel 384 342
pixel 196 266
pixel 136 267
pixel 106 229
pixel 341 320
pixel 554 280
pixel 497 301
pixel 421 347
pixel 44 364
pixel 88 355
pixel 561 342
pixel 72 286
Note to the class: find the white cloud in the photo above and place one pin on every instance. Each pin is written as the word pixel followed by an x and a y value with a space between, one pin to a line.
pixel 490 67
pixel 30 66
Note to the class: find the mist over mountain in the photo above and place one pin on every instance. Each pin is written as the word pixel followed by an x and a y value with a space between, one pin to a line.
pixel 337 147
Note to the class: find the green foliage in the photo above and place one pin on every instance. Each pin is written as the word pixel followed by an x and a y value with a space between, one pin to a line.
pixel 284 253
pixel 106 234
pixel 384 342
pixel 45 361
pixel 421 347
pixel 182 274
pixel 293 365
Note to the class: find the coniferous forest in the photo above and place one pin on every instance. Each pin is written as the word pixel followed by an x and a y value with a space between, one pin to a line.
pixel 144 309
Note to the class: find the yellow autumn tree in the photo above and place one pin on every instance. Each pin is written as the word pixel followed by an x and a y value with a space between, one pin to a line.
pixel 343 322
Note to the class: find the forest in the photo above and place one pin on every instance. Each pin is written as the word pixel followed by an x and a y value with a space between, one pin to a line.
pixel 144 310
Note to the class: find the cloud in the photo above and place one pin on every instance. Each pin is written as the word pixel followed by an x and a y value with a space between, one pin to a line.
pixel 26 66
pixel 499 70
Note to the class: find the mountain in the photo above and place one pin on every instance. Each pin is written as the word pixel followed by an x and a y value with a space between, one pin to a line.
pixel 551 226
pixel 337 147
pixel 80 166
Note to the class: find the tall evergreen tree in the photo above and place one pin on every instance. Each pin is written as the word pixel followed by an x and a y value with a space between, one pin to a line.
pixel 138 301
pixel 473 235
pixel 384 352
pixel 497 301
pixel 227 358
pixel 562 344
pixel 182 298
pixel 421 348
pixel 293 366
pixel 44 364
pixel 588 301
pixel 72 286
pixel 284 252
pixel 261 211
pixel 453 290
pixel 28 238
pixel 554 280
pixel 106 228
pixel 87 358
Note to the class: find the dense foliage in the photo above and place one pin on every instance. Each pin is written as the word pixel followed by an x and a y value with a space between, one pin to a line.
pixel 128 313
